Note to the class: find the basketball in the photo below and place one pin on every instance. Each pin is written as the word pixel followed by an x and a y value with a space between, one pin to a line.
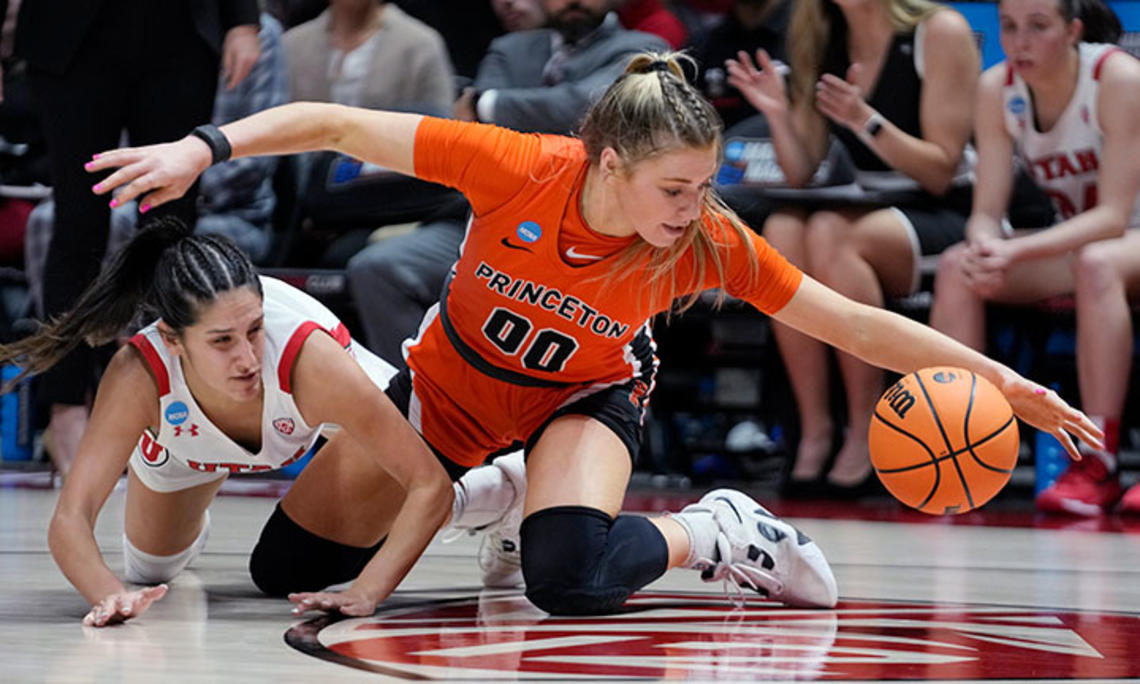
pixel 943 440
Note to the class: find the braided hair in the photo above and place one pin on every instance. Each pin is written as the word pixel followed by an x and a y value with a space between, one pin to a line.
pixel 649 110
pixel 163 272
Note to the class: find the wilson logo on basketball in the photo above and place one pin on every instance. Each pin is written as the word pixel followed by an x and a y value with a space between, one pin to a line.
pixel 284 425
pixel 899 399
pixel 699 636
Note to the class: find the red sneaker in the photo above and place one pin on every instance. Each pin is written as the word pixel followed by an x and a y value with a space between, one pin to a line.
pixel 1130 504
pixel 1085 488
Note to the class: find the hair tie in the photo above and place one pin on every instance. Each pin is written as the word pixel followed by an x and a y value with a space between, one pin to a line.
pixel 659 65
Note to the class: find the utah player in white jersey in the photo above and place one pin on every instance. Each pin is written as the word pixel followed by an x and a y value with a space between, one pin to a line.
pixel 237 374
pixel 1066 105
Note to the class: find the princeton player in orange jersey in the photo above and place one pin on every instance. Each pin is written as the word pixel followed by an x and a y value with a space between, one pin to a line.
pixel 542 334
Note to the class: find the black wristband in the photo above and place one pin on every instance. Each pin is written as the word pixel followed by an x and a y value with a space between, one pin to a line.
pixel 220 149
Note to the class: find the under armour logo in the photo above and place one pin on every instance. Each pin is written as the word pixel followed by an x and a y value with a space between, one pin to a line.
pixel 192 430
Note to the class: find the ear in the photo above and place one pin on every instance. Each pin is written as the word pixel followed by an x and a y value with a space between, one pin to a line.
pixel 170 339
pixel 610 162
pixel 1076 30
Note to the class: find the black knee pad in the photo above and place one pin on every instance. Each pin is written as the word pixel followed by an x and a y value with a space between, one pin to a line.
pixel 578 561
pixel 289 558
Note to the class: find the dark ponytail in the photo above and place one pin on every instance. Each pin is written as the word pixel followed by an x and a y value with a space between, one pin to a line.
pixel 164 272
pixel 1101 25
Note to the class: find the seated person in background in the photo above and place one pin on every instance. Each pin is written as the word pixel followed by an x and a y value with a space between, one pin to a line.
pixel 1065 105
pixel 235 199
pixel 894 82
pixel 543 81
pixel 534 81
pixel 369 53
pixel 750 25
pixel 519 15
pixel 652 16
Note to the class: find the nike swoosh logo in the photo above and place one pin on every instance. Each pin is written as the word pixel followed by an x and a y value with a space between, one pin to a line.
pixel 507 243
pixel 575 254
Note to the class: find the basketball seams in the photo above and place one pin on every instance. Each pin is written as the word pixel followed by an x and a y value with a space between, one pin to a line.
pixel 983 440
pixel 966 435
pixel 945 437
pixel 947 402
pixel 933 458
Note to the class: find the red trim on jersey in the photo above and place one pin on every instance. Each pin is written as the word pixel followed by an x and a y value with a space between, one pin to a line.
pixel 161 376
pixel 341 335
pixel 1008 74
pixel 293 347
pixel 1100 62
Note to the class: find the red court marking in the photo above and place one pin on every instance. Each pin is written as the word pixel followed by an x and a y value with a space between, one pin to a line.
pixel 694 636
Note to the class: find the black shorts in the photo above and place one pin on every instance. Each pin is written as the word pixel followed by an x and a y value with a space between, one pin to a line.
pixel 621 408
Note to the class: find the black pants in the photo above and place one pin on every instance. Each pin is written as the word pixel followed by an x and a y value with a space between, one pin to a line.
pixel 142 68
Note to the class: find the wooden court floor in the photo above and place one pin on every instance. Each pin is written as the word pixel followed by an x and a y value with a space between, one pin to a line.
pixel 920 601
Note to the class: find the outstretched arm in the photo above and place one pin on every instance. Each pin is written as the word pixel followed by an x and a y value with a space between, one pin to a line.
pixel 330 387
pixel 887 340
pixel 125 405
pixel 160 173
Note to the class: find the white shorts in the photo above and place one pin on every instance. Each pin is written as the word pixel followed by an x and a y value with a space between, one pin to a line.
pixel 165 473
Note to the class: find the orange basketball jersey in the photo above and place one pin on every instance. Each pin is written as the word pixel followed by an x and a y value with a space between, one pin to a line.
pixel 514 308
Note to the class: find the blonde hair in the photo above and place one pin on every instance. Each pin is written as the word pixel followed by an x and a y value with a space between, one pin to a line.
pixel 813 26
pixel 649 110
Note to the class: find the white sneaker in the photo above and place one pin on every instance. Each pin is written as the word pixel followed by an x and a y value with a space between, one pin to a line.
pixel 756 549
pixel 499 556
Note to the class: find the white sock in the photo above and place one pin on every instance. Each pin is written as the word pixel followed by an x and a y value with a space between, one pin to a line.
pixel 702 530
pixel 141 567
pixel 482 495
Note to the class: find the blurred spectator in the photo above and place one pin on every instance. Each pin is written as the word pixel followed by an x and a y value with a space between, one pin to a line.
pixel 749 26
pixel 545 80
pixel 235 198
pixel 519 15
pixel 651 16
pixel 369 53
pixel 94 69
pixel 467 27
pixel 535 80
pixel 895 83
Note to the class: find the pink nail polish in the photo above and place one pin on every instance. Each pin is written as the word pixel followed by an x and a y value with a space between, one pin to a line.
pixel 88 165
pixel 114 203
pixel 1039 391
pixel 97 187
pixel 144 208
pixel 95 156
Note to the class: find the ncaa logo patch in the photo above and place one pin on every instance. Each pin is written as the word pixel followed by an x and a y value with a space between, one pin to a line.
pixel 529 231
pixel 284 425
pixel 1016 105
pixel 500 636
pixel 177 413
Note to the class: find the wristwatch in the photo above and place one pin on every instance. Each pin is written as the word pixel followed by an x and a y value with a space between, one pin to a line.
pixel 874 125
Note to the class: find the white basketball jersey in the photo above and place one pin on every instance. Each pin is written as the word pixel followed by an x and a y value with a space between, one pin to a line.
pixel 187 435
pixel 1063 160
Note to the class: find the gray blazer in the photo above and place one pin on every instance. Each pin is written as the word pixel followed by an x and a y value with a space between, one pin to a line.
pixel 411 70
pixel 513 68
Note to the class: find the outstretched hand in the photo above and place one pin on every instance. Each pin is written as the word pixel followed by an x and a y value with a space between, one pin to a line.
pixel 761 83
pixel 1045 410
pixel 343 602
pixel 163 172
pixel 123 606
